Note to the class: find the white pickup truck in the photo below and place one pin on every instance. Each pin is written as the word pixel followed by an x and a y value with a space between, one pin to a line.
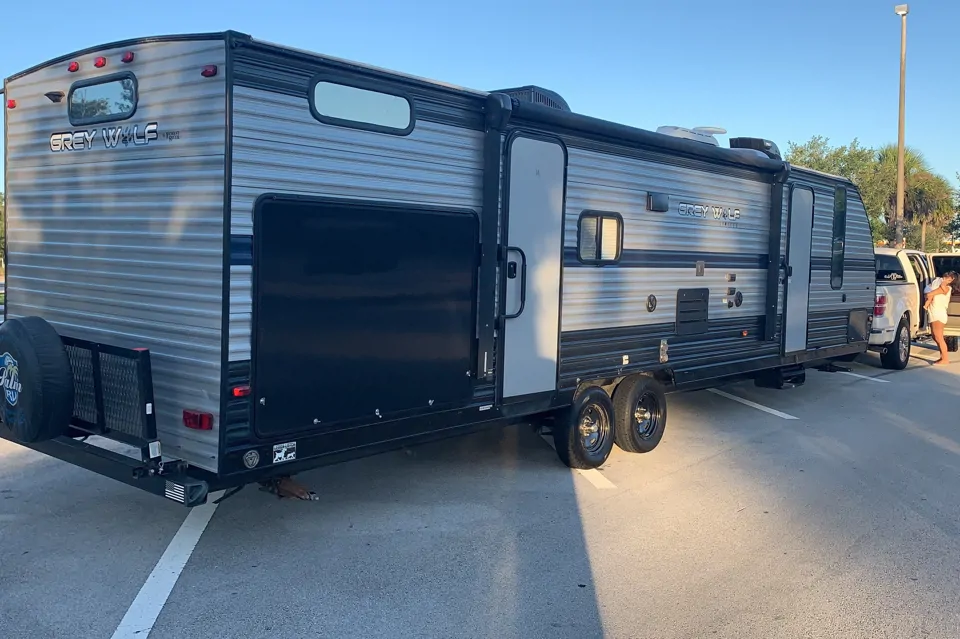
pixel 898 315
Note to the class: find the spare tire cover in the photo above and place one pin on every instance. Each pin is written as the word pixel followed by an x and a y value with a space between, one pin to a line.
pixel 35 379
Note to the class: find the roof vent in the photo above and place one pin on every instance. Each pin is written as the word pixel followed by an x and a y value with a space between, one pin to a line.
pixel 700 134
pixel 537 95
pixel 766 147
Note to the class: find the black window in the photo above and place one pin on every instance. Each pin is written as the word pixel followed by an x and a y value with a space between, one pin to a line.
pixel 599 237
pixel 946 263
pixel 839 236
pixel 890 269
pixel 104 99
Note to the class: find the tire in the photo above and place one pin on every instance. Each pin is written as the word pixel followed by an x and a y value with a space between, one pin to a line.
pixel 898 352
pixel 640 409
pixel 953 343
pixel 36 380
pixel 583 434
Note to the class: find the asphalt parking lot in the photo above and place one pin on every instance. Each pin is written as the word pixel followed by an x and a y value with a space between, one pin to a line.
pixel 828 510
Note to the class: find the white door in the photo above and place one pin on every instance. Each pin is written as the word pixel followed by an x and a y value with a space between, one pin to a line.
pixel 799 238
pixel 533 260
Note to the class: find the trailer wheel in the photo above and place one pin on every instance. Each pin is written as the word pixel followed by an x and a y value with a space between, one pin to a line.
pixel 898 353
pixel 583 434
pixel 36 380
pixel 640 407
pixel 953 343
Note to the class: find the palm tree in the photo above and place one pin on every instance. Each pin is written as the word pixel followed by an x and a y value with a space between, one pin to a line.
pixel 928 199
pixel 927 195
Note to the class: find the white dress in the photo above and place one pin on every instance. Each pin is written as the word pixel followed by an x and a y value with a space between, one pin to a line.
pixel 938 307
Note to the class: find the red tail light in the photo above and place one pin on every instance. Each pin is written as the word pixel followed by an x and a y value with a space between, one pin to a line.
pixel 11 104
pixel 881 306
pixel 74 67
pixel 100 62
pixel 209 71
pixel 241 391
pixel 197 420
pixel 127 57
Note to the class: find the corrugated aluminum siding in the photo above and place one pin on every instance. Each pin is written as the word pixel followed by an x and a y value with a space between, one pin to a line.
pixel 125 246
pixel 279 147
pixel 616 296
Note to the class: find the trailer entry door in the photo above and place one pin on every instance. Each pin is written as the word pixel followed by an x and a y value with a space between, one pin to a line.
pixel 800 234
pixel 533 259
pixel 364 312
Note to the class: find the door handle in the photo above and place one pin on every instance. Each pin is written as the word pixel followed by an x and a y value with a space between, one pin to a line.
pixel 789 271
pixel 523 280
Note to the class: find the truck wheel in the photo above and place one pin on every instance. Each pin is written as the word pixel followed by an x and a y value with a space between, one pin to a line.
pixel 953 343
pixel 583 434
pixel 898 352
pixel 640 410
pixel 36 380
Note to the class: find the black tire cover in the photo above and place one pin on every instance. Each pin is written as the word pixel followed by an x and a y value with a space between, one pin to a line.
pixel 35 379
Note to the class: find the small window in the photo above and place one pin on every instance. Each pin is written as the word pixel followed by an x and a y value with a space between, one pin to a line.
pixel 343 105
pixel 600 237
pixel 839 236
pixel 946 263
pixel 889 269
pixel 102 99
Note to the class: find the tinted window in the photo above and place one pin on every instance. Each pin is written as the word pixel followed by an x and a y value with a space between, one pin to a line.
pixel 102 100
pixel 839 236
pixel 600 238
pixel 946 263
pixel 361 108
pixel 890 269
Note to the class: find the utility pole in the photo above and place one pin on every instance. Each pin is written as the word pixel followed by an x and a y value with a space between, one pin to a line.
pixel 902 10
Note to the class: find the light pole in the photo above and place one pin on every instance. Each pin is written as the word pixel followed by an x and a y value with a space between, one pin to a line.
pixel 902 10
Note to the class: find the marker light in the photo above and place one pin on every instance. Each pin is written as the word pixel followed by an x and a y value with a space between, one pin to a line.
pixel 209 71
pixel 100 62
pixel 127 57
pixel 241 391
pixel 74 67
pixel 11 104
pixel 197 420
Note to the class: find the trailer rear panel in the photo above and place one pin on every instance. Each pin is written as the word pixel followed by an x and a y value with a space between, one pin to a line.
pixel 115 195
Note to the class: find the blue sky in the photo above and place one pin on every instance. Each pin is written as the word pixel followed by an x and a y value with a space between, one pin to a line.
pixel 762 68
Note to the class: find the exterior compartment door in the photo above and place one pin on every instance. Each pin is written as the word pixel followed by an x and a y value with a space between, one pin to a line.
pixel 799 244
pixel 534 253
pixel 364 311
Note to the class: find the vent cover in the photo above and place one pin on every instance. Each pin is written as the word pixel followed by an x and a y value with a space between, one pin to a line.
pixel 537 95
pixel 692 310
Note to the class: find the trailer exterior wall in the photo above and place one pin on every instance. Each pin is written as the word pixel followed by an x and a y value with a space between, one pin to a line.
pixel 128 252
pixel 279 147
pixel 829 307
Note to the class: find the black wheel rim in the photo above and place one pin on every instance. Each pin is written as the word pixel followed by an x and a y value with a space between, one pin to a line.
pixel 594 428
pixel 647 415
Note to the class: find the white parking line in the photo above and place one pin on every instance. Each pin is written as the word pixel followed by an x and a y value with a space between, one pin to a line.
pixel 143 612
pixel 872 379
pixel 592 475
pixel 747 402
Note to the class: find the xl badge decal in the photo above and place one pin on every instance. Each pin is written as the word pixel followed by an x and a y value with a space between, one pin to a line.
pixel 10 378
pixel 108 137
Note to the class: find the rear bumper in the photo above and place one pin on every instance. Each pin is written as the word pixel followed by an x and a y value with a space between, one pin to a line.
pixel 882 336
pixel 176 485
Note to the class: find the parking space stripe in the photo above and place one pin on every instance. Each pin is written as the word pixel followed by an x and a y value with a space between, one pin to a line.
pixel 146 607
pixel 872 379
pixel 592 475
pixel 747 402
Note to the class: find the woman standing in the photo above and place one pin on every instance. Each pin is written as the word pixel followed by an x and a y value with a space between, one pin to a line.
pixel 937 300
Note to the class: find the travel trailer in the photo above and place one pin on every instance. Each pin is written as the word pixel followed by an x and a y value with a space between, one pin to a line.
pixel 247 260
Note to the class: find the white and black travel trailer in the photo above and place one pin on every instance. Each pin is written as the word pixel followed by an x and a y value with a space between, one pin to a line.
pixel 248 260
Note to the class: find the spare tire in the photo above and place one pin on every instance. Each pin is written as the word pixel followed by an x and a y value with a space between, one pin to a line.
pixel 36 380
